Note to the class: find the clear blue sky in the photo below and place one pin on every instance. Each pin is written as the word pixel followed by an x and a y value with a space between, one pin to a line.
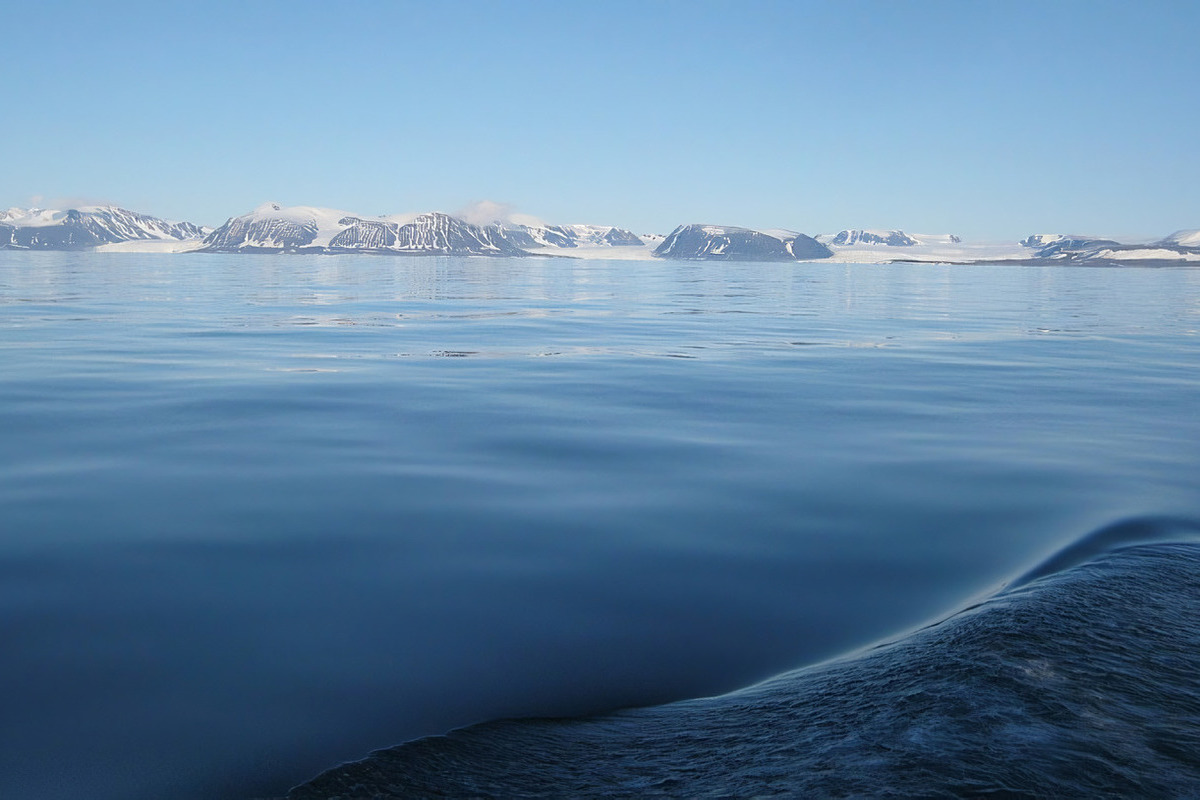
pixel 987 119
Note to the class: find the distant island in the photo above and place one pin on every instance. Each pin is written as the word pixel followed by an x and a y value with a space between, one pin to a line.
pixel 272 228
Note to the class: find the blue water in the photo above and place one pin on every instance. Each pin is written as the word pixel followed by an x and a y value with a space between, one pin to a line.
pixel 1083 683
pixel 265 514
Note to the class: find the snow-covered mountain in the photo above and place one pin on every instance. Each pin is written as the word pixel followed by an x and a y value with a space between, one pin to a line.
pixel 1188 239
pixel 880 246
pixel 533 236
pixel 272 228
pixel 434 233
pixel 849 245
pixel 855 236
pixel 1040 240
pixel 852 237
pixel 600 236
pixel 1065 246
pixel 726 243
pixel 84 227
pixel 566 236
pixel 1179 246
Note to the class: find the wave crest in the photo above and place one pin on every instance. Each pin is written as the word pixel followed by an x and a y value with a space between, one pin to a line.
pixel 1080 680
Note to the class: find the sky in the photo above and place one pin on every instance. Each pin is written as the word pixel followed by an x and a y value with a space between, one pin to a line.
pixel 991 120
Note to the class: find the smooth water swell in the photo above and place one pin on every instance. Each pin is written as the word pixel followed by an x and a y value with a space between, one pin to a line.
pixel 1084 683
pixel 262 515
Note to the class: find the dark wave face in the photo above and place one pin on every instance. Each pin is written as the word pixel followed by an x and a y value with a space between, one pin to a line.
pixel 1079 682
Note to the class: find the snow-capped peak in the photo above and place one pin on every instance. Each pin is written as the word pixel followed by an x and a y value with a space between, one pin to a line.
pixel 299 214
pixel 1185 238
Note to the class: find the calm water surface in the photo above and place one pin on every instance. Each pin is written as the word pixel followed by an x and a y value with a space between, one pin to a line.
pixel 264 514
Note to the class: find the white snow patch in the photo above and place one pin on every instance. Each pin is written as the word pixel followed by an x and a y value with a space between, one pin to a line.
pixel 938 239
pixel 779 233
pixel 1147 254
pixel 399 219
pixel 32 217
pixel 151 246
pixel 936 248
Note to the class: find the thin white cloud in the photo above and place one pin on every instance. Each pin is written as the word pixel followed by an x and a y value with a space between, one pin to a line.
pixel 486 212
pixel 65 203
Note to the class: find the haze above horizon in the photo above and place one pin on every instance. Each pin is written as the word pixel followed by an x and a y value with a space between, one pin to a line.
pixel 988 120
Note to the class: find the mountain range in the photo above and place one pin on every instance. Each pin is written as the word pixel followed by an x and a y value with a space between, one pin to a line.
pixel 85 227
pixel 273 228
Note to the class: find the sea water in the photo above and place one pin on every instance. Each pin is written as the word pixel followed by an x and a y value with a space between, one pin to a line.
pixel 264 514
